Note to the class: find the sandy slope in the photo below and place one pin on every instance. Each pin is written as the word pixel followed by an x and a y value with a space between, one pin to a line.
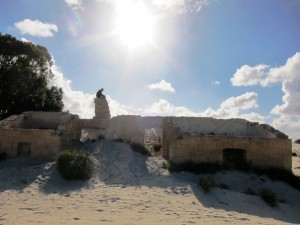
pixel 131 189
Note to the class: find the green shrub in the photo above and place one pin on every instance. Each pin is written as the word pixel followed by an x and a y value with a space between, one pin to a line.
pixel 207 183
pixel 140 148
pixel 269 197
pixel 74 165
pixel 166 165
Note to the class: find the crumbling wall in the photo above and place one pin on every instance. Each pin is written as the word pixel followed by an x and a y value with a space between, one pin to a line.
pixel 44 120
pixel 41 144
pixel 220 127
pixel 44 133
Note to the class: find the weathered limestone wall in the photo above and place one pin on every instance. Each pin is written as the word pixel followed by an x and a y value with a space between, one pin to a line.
pixel 42 144
pixel 183 139
pixel 262 152
pixel 44 120
pixel 131 128
pixel 44 133
pixel 221 127
pixel 12 121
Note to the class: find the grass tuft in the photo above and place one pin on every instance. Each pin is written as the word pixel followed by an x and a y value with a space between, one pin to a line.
pixel 74 165
pixel 269 197
pixel 207 183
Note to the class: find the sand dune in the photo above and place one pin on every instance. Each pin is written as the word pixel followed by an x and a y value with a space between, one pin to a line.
pixel 129 188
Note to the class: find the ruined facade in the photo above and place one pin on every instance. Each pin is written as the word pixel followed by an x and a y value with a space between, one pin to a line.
pixel 39 134
pixel 182 139
pixel 208 140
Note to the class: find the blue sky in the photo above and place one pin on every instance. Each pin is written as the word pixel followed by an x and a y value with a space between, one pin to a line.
pixel 216 58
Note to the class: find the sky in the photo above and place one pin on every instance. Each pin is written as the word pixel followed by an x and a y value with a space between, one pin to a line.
pixel 198 58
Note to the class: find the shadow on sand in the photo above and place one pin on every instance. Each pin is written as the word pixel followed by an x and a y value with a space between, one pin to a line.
pixel 118 165
pixel 19 173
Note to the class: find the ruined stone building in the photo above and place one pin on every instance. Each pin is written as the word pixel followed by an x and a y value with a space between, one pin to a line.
pixel 182 139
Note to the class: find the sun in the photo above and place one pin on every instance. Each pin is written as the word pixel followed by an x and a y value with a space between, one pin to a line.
pixel 135 24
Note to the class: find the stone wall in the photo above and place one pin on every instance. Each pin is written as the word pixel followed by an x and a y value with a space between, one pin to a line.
pixel 221 127
pixel 183 139
pixel 44 120
pixel 201 140
pixel 261 152
pixel 44 134
pixel 39 144
pixel 131 128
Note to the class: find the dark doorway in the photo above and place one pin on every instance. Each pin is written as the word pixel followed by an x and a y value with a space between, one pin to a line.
pixel 234 157
pixel 153 140
pixel 24 148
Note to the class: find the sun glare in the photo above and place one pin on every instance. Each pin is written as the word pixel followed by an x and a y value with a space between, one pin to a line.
pixel 135 24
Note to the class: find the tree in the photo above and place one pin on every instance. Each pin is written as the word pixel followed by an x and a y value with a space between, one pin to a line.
pixel 25 78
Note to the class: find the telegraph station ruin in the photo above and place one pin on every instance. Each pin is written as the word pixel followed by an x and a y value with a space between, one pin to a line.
pixel 179 139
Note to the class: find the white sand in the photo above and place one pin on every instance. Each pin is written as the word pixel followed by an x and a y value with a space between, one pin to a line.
pixel 131 189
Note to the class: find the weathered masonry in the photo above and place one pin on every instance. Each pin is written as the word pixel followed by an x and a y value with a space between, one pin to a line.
pixel 38 134
pixel 207 140
pixel 181 139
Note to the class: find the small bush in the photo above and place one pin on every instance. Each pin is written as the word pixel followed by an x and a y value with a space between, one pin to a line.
pixel 166 165
pixel 74 165
pixel 269 197
pixel 140 148
pixel 207 183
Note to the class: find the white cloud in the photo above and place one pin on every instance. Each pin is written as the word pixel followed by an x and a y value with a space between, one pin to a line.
pixel 116 108
pixel 162 85
pixel 24 40
pixel 75 4
pixel 231 107
pixel 245 101
pixel 217 83
pixel 288 75
pixel 247 76
pixel 288 113
pixel 289 125
pixel 74 101
pixel 164 108
pixel 36 28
